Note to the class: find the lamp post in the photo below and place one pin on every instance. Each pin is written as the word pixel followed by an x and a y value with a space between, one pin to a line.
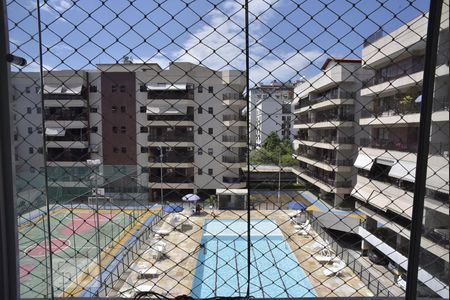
pixel 93 163
pixel 161 173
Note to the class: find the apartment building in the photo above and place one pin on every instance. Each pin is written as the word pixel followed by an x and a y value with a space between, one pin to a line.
pixel 387 155
pixel 172 131
pixel 327 108
pixel 271 111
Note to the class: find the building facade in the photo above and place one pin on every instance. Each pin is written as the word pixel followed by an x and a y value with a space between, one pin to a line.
pixel 387 155
pixel 157 132
pixel 327 107
pixel 271 111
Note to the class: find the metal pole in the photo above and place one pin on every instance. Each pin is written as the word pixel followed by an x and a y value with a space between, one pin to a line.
pixel 9 279
pixel 434 21
pixel 99 260
pixel 161 173
pixel 279 178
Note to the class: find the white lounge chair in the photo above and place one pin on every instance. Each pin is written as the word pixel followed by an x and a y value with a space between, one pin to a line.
pixel 302 225
pixel 158 252
pixel 335 269
pixel 325 256
pixel 304 231
pixel 167 228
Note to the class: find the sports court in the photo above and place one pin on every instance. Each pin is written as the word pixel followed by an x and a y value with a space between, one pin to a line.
pixel 74 247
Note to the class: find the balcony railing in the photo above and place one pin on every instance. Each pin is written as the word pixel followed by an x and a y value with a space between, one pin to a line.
pixel 171 179
pixel 171 94
pixel 327 180
pixel 234 159
pixel 67 117
pixel 234 118
pixel 329 139
pixel 173 158
pixel 405 70
pixel 172 137
pixel 228 179
pixel 189 117
pixel 392 110
pixel 388 144
pixel 232 96
pixel 67 138
pixel 234 138
pixel 325 118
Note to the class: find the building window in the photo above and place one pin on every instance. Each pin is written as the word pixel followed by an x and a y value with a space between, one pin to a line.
pixel 210 89
pixel 210 151
pixel 210 110
pixel 114 129
pixel 144 149
pixel 124 149
pixel 40 150
pixel 114 108
pixel 115 150
pixel 123 109
pixel 93 89
pixel 200 89
pixel 200 171
pixel 210 131
pixel 27 90
pixel 38 110
pixel 30 130
pixel 200 130
pixel 200 151
pixel 31 150
pixel 123 89
pixel 28 110
pixel 143 109
pixel 200 110
pixel 145 170
pixel 143 88
pixel 114 88
pixel 39 130
pixel 123 129
pixel 94 129
pixel 210 172
pixel 144 129
pixel 93 109
pixel 37 89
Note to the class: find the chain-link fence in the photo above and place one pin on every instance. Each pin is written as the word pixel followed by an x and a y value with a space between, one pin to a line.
pixel 262 148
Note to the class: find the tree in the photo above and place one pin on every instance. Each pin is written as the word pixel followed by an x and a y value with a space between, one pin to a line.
pixel 272 142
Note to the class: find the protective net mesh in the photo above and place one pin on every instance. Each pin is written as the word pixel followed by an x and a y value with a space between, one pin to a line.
pixel 262 148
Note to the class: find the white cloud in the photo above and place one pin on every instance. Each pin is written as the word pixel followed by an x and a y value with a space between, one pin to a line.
pixel 59 5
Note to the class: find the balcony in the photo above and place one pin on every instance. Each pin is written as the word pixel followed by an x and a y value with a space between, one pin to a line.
pixel 70 155
pixel 329 139
pixel 171 94
pixel 234 138
pixel 388 144
pixel 173 158
pixel 228 179
pixel 177 136
pixel 171 179
pixel 234 117
pixel 72 114
pixel 233 159
pixel 189 117
pixel 234 99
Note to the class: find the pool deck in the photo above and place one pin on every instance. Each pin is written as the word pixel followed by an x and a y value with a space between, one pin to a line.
pixel 176 271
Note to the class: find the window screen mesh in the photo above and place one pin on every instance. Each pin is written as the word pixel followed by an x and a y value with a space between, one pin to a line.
pixel 262 148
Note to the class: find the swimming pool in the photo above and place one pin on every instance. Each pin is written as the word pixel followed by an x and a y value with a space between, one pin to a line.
pixel 222 264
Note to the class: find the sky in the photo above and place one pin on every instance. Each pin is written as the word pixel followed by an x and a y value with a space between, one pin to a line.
pixel 289 39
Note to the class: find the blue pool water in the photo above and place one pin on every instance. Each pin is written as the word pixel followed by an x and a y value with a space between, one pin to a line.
pixel 222 264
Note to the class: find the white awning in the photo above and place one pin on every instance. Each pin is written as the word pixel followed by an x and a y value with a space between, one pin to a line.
pixel 52 89
pixel 364 162
pixel 231 191
pixel 63 89
pixel 164 111
pixel 404 170
pixel 438 179
pixel 168 86
pixel 55 131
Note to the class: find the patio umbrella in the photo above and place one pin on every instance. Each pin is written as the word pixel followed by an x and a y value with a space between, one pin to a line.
pixel 297 205
pixel 171 208
pixel 190 198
